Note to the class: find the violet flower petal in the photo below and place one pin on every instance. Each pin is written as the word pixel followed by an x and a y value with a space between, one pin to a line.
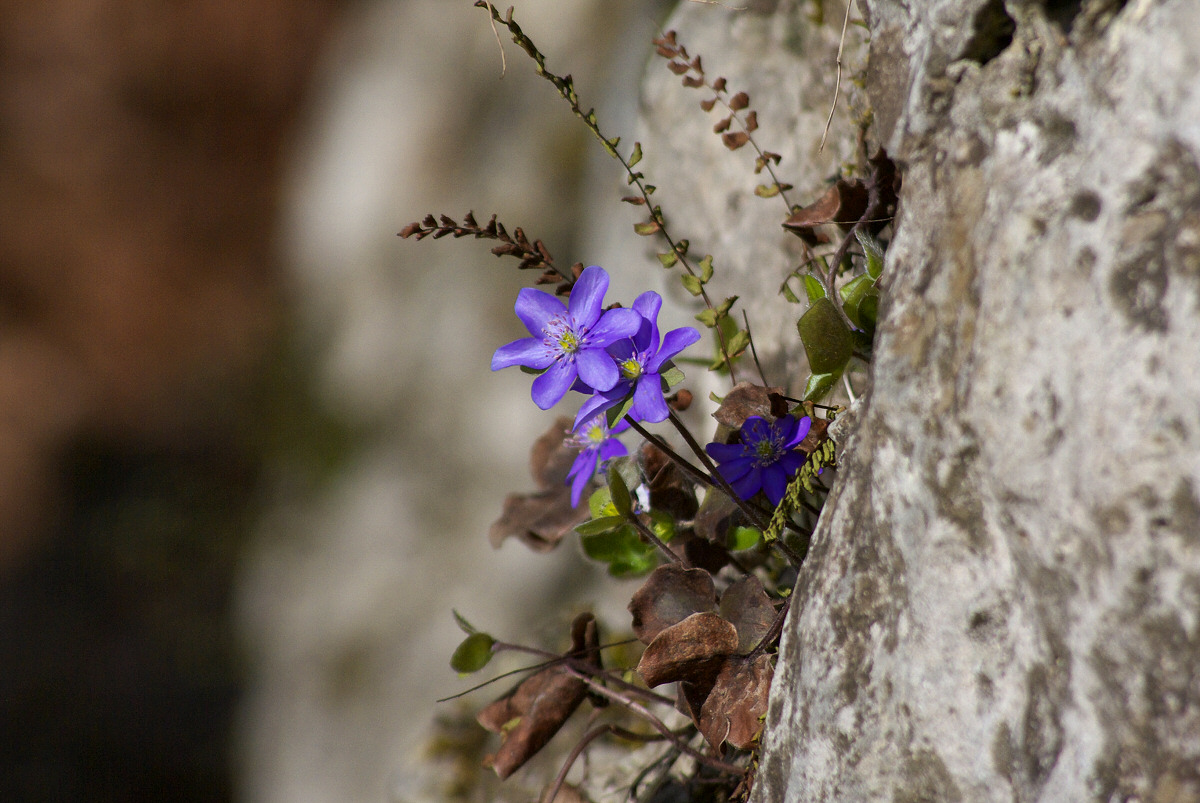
pixel 587 296
pixel 536 308
pixel 597 369
pixel 530 352
pixel 674 342
pixel 554 383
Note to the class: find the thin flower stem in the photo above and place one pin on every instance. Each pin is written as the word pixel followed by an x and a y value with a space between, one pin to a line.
pixel 775 630
pixel 658 725
pixel 745 507
pixel 649 535
pixel 588 738
pixel 660 444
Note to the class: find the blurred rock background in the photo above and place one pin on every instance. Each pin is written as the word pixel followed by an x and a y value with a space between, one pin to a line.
pixel 250 446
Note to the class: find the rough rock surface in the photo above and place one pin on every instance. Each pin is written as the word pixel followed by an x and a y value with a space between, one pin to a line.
pixel 1002 601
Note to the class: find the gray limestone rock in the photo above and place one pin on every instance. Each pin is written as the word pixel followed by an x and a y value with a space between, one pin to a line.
pixel 1002 601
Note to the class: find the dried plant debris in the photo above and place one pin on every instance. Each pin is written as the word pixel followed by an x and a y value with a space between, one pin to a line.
pixel 529 716
pixel 541 519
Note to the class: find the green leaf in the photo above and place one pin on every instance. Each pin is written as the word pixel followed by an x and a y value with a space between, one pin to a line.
pixel 691 284
pixel 636 156
pixel 740 538
pixel 826 337
pixel 852 293
pixel 463 624
pixel 615 414
pixel 600 504
pixel 724 307
pixel 813 288
pixel 788 293
pixel 868 310
pixel 738 343
pixel 600 525
pixel 622 549
pixel 874 251
pixel 647 228
pixel 668 259
pixel 766 190
pixel 620 493
pixel 672 376
pixel 707 317
pixel 818 385
pixel 706 269
pixel 662 524
pixel 473 654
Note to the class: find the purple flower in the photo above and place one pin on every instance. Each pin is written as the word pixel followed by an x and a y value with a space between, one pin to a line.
pixel 766 459
pixel 640 358
pixel 599 446
pixel 568 341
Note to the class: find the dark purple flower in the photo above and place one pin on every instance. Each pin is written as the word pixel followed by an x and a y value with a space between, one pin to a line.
pixel 599 446
pixel 766 459
pixel 568 341
pixel 640 359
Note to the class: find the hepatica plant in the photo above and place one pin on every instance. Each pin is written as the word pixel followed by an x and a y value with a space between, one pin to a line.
pixel 715 531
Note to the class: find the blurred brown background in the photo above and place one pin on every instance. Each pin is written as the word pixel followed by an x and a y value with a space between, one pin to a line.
pixel 141 148
pixel 238 417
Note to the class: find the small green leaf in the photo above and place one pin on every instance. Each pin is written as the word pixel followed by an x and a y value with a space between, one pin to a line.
pixel 868 310
pixel 620 493
pixel 789 294
pixel 691 284
pixel 707 317
pixel 766 190
pixel 826 337
pixel 636 156
pixel 600 504
pixel 615 141
pixel 706 269
pixel 473 654
pixel 813 288
pixel 615 414
pixel 740 538
pixel 668 259
pixel 463 624
pixel 738 343
pixel 600 525
pixel 647 228
pixel 852 293
pixel 662 524
pixel 818 385
pixel 874 251
pixel 672 376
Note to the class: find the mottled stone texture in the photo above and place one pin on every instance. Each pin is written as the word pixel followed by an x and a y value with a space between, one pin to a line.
pixel 1002 602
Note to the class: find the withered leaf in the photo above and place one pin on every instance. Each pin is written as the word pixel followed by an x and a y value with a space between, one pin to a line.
pixel 687 650
pixel 670 489
pixel 670 595
pixel 735 139
pixel 746 605
pixel 531 714
pixel 733 711
pixel 843 203
pixel 743 401
pixel 816 435
pixel 543 518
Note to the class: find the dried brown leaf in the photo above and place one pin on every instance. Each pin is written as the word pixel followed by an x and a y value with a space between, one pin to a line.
pixel 529 716
pixel 739 101
pixel 670 595
pixel 735 139
pixel 746 605
pixel 671 490
pixel 687 650
pixel 843 203
pixel 543 518
pixel 733 710
pixel 743 401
